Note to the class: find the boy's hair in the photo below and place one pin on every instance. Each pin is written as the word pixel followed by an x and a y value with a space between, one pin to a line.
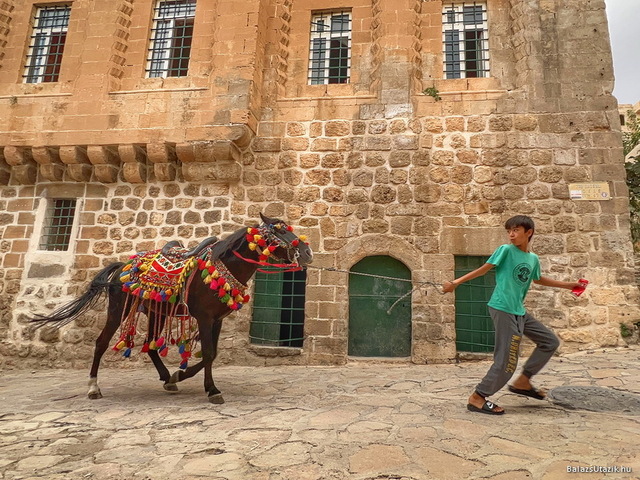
pixel 521 221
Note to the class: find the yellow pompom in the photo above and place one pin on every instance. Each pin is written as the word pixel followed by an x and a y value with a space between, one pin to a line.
pixel 227 287
pixel 257 237
pixel 252 246
pixel 303 238
pixel 121 345
pixel 230 302
pixel 208 264
pixel 266 252
pixel 207 279
pixel 125 278
pixel 146 295
pixel 249 229
pixel 239 299
pixel 215 274
pixel 152 345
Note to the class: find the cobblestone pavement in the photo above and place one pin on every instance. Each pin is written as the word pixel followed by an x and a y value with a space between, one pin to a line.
pixel 360 421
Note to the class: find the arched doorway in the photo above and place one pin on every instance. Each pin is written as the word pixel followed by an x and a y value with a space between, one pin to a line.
pixel 373 331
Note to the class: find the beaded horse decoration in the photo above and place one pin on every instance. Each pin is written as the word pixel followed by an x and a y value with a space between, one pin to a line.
pixel 157 283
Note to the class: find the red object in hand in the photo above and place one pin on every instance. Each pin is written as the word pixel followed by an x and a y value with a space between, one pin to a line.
pixel 577 291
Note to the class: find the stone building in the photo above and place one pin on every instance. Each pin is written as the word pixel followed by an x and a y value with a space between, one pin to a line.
pixel 397 134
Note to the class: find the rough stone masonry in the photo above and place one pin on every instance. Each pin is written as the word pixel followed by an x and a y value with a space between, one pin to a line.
pixel 369 167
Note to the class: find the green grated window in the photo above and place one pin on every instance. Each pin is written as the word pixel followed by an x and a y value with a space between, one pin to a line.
pixel 330 51
pixel 47 44
pixel 278 308
pixel 59 217
pixel 171 37
pixel 474 327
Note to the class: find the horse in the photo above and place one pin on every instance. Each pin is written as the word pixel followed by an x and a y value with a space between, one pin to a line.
pixel 175 296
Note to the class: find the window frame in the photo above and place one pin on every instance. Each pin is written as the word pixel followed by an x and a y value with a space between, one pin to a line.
pixel 169 61
pixel 320 70
pixel 279 295
pixel 34 71
pixel 57 225
pixel 458 43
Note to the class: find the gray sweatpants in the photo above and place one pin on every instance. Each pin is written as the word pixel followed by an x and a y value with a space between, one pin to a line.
pixel 509 331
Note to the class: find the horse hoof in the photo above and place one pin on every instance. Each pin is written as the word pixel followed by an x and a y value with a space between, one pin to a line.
pixel 94 395
pixel 170 387
pixel 217 399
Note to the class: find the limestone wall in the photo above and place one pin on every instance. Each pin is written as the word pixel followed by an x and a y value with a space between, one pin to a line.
pixel 371 167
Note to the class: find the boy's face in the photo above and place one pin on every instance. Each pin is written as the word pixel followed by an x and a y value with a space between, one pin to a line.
pixel 518 236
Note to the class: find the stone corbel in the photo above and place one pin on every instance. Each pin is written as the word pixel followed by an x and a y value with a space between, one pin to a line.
pixel 78 165
pixel 134 163
pixel 163 157
pixel 215 161
pixel 5 172
pixel 24 168
pixel 106 162
pixel 50 165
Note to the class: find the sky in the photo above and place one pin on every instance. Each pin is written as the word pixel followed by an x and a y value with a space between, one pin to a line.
pixel 624 18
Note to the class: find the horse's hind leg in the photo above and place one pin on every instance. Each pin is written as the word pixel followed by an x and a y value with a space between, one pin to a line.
pixel 117 304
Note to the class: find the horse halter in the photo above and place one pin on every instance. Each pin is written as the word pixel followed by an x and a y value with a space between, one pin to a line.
pixel 265 239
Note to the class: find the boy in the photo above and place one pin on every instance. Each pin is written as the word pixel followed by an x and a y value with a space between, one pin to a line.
pixel 516 268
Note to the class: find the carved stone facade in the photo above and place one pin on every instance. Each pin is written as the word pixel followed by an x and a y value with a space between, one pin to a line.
pixel 369 167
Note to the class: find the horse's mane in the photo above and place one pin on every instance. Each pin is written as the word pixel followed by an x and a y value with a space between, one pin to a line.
pixel 232 242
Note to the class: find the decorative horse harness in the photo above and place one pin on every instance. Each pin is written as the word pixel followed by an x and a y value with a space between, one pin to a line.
pixel 158 283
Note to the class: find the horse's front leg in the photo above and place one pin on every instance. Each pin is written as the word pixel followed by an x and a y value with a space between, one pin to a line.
pixel 209 343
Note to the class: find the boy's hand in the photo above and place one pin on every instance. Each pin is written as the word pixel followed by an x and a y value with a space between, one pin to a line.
pixel 448 287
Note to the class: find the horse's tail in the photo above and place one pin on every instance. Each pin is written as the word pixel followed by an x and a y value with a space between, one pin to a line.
pixel 72 310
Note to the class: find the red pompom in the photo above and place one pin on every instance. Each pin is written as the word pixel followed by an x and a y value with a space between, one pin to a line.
pixel 222 292
pixel 235 292
pixel 145 347
pixel 295 242
pixel 249 237
pixel 262 242
pixel 222 281
pixel 272 248
pixel 289 228
pixel 246 298
pixel 254 231
pixel 263 258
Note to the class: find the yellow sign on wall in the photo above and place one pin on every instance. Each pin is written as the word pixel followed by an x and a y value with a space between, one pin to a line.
pixel 589 191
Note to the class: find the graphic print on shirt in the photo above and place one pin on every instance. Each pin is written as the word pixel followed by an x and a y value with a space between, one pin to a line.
pixel 522 273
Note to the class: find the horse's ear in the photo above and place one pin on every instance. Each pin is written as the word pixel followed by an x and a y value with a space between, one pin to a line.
pixel 266 220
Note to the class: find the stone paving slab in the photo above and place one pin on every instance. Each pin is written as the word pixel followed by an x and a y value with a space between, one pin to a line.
pixel 362 421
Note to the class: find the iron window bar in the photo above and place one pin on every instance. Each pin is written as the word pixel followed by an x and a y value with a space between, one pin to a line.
pixel 278 309
pixel 171 38
pixel 330 49
pixel 46 44
pixel 59 217
pixel 465 37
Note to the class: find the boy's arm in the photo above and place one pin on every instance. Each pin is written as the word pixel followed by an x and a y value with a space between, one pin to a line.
pixel 448 287
pixel 550 282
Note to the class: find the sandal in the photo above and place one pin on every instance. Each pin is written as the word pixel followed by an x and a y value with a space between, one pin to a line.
pixel 488 408
pixel 532 392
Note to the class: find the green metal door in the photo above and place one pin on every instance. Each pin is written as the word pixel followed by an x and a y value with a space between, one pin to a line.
pixel 474 327
pixel 372 331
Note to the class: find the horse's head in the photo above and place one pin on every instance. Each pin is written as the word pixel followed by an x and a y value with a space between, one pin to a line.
pixel 280 241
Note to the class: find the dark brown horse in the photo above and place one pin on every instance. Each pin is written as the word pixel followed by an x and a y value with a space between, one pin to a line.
pixel 212 288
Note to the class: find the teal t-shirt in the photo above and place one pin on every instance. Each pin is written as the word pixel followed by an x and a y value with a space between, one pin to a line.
pixel 515 270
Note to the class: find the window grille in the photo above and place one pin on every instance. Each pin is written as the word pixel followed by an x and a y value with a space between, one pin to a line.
pixel 46 45
pixel 171 37
pixel 59 217
pixel 466 40
pixel 278 308
pixel 330 50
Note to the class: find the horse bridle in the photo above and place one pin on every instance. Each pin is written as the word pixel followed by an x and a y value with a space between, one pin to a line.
pixel 270 234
